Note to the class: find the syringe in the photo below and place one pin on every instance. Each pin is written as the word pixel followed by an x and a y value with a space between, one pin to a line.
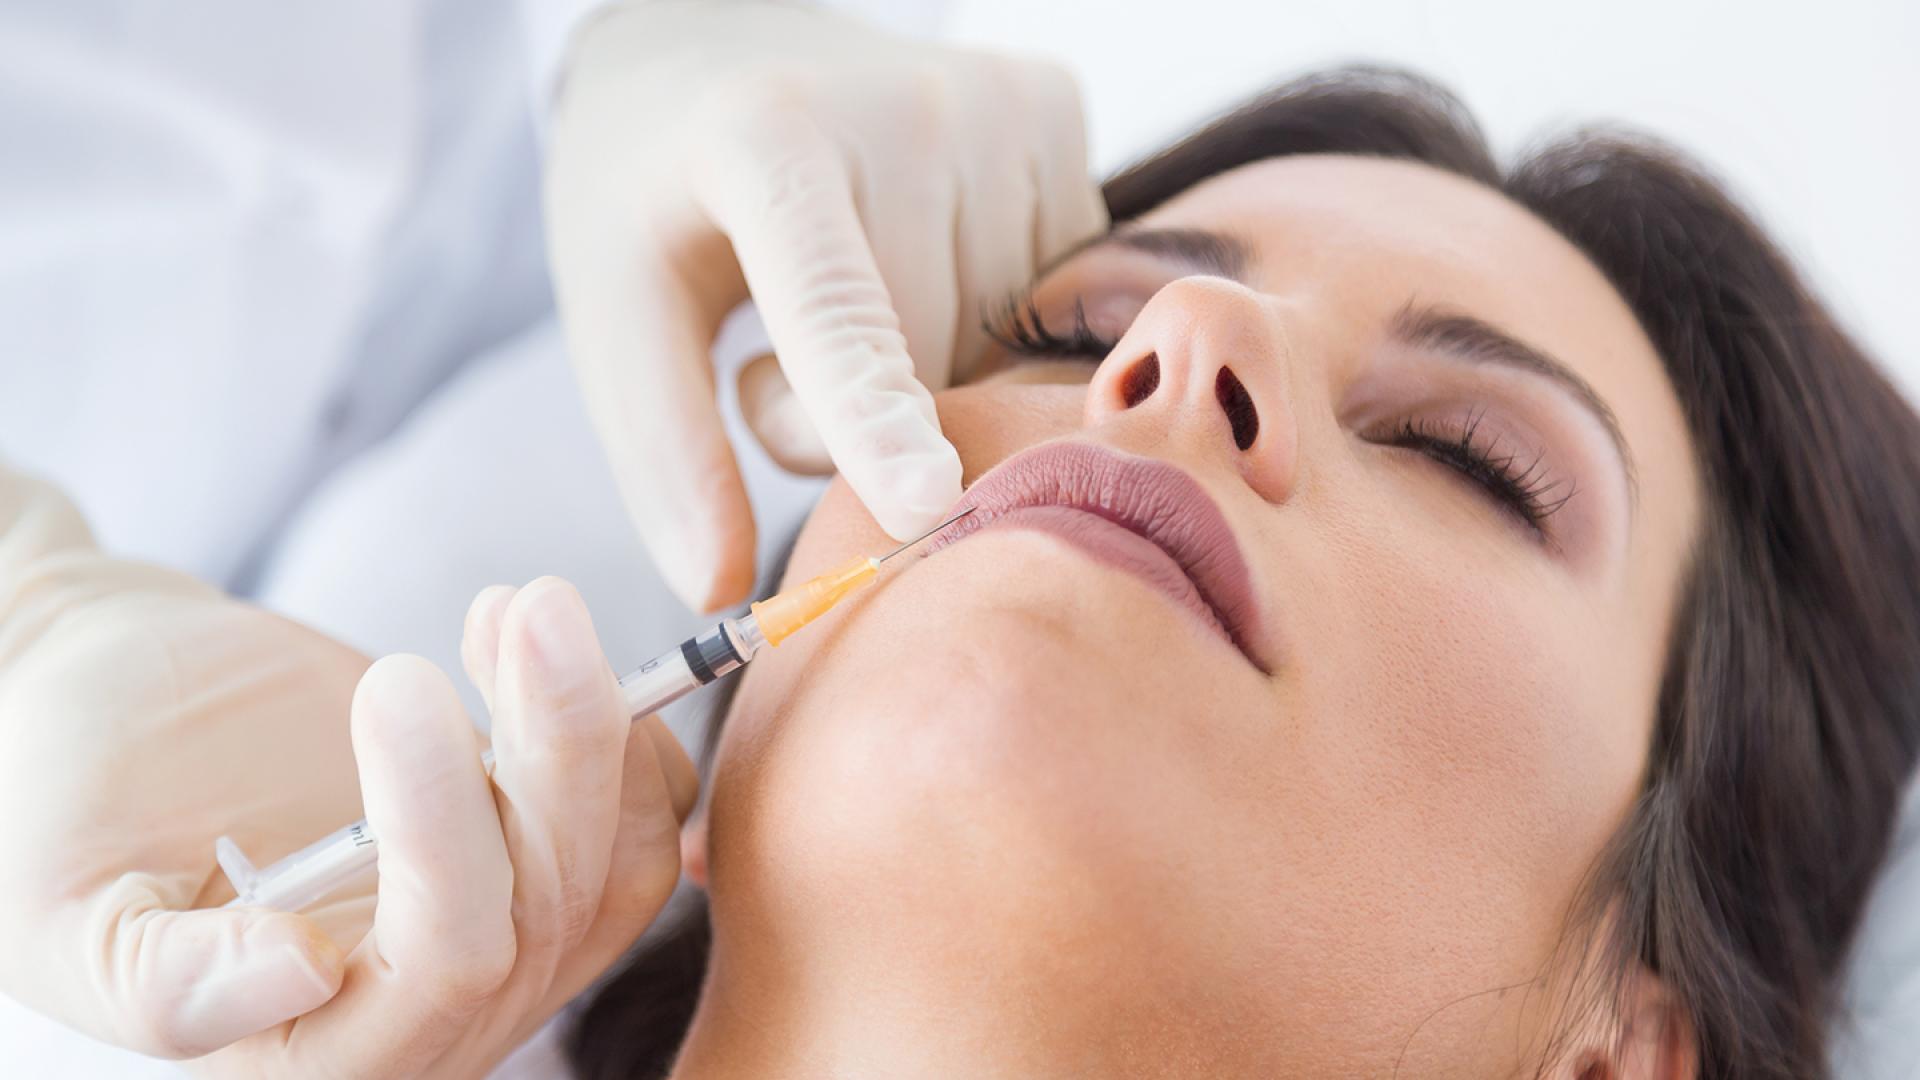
pixel 326 864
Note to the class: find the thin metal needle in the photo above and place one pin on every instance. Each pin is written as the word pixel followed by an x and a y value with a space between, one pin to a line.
pixel 924 535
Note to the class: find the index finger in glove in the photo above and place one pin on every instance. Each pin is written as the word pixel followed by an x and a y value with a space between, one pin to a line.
pixel 784 199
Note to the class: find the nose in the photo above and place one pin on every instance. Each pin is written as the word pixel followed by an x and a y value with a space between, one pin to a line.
pixel 1207 363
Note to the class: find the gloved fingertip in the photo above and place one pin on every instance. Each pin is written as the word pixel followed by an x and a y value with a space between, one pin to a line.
pixel 701 590
pixel 914 493
pixel 708 569
pixel 483 615
pixel 397 683
pixel 398 697
pixel 729 587
pixel 901 523
pixel 557 627
pixel 480 638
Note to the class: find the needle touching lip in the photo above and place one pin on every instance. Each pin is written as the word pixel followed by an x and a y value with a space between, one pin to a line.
pixel 924 535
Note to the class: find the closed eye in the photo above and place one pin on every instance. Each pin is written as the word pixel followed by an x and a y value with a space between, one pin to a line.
pixel 1019 328
pixel 1517 483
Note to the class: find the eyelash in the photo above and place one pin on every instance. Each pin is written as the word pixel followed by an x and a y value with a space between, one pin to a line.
pixel 1019 328
pixel 1524 490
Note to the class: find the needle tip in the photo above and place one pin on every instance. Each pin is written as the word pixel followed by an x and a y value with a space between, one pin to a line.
pixel 926 534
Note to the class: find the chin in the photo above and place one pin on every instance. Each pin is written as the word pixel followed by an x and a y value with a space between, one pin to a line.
pixel 1034 747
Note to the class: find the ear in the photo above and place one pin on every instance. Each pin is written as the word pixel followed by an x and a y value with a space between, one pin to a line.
pixel 1650 1038
pixel 693 848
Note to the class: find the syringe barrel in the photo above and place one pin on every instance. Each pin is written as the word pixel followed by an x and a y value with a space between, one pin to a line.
pixel 314 871
pixel 676 673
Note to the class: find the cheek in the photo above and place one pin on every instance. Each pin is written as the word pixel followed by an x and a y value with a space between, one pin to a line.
pixel 1483 731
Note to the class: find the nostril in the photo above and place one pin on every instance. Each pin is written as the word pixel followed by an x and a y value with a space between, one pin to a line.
pixel 1140 381
pixel 1238 405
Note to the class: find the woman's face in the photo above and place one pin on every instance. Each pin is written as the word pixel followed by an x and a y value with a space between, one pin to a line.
pixel 1274 721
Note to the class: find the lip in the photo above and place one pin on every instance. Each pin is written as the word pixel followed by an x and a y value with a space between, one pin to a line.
pixel 1139 515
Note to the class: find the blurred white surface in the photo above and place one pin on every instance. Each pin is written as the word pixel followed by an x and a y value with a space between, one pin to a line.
pixel 238 244
pixel 1878 1034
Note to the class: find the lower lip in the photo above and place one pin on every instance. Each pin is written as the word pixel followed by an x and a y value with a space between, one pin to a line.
pixel 1118 547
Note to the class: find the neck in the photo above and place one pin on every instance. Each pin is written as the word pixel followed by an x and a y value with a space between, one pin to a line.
pixel 777 1019
pixel 935 1010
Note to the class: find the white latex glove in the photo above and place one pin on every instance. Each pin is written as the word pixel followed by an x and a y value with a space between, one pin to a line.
pixel 144 714
pixel 874 195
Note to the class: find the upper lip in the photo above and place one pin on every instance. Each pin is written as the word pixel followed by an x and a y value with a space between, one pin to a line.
pixel 1150 498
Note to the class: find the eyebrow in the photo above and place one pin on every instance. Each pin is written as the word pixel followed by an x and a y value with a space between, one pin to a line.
pixel 1473 340
pixel 1201 250
pixel 1455 334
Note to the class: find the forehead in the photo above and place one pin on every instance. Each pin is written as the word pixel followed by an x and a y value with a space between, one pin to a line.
pixel 1360 229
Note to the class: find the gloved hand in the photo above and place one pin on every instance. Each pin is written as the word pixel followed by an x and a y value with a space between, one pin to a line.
pixel 144 714
pixel 843 176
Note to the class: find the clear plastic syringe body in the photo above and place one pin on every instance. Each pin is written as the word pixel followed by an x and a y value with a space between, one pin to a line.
pixel 327 864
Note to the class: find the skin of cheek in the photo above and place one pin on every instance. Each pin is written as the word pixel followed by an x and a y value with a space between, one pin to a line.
pixel 1474 688
pixel 1474 753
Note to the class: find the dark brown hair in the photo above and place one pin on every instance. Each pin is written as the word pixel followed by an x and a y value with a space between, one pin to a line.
pixel 1790 711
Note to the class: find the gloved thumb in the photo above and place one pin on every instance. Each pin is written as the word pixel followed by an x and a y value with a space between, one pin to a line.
pixel 195 981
